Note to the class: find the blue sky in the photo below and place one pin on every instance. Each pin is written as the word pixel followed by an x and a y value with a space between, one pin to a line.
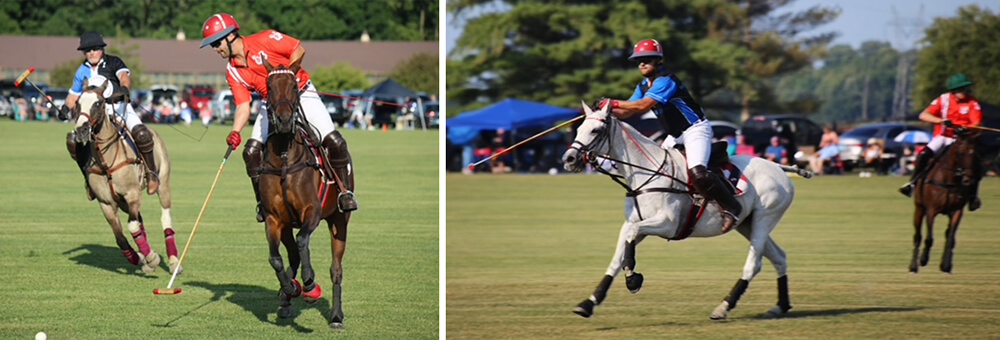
pixel 859 21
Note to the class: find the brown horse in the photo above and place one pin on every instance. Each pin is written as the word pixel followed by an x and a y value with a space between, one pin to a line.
pixel 947 187
pixel 115 174
pixel 296 192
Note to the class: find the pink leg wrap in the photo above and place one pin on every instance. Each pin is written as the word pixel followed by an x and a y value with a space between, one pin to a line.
pixel 132 257
pixel 168 235
pixel 140 240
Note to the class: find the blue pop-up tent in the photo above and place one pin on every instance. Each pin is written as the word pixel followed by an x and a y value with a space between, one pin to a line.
pixel 511 114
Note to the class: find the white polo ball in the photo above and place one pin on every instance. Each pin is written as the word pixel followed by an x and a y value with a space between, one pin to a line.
pixel 41 336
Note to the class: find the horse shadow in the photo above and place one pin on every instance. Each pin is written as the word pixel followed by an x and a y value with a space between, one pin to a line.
pixel 108 258
pixel 261 302
pixel 841 311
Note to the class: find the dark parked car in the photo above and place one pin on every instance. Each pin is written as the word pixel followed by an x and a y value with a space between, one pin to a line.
pixel 798 130
pixel 432 112
pixel 854 141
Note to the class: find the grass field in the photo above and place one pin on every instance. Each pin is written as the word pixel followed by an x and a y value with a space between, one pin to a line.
pixel 522 251
pixel 61 272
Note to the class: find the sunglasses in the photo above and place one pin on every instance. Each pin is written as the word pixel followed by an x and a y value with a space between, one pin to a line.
pixel 217 43
pixel 91 49
pixel 645 60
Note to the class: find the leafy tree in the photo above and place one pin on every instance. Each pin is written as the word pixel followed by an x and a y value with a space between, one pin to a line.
pixel 338 77
pixel 62 74
pixel 562 52
pixel 968 43
pixel 419 73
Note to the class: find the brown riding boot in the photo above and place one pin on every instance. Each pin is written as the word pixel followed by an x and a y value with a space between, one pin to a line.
pixel 340 159
pixel 144 140
pixel 711 186
pixel 253 156
pixel 75 150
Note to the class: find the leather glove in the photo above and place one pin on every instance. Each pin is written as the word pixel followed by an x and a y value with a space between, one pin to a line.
pixel 234 139
pixel 960 129
pixel 948 123
pixel 63 112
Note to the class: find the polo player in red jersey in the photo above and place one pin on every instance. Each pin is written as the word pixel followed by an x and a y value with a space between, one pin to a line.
pixel 245 73
pixel 949 112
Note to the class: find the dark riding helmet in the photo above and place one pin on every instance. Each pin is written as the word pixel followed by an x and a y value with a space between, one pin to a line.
pixel 216 27
pixel 90 39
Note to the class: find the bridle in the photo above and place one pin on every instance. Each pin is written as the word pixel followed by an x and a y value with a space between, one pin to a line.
pixel 293 103
pixel 603 139
pixel 116 139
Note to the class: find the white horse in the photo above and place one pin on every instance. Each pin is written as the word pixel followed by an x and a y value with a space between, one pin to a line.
pixel 659 199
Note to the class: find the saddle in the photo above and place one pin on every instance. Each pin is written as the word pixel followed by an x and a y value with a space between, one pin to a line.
pixel 718 162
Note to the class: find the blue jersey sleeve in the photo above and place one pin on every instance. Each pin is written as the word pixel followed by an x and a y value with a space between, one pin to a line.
pixel 663 88
pixel 82 72
pixel 638 92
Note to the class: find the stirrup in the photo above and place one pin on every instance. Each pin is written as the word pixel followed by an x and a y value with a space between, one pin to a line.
pixel 348 204
pixel 907 189
pixel 728 221
pixel 260 213
pixel 90 193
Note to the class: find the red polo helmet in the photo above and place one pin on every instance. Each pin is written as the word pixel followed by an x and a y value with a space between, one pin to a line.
pixel 216 27
pixel 646 48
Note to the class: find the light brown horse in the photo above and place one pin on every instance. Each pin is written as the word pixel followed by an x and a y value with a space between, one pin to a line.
pixel 946 189
pixel 295 194
pixel 115 173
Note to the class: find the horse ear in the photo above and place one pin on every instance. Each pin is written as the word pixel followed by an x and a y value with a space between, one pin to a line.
pixel 268 66
pixel 295 66
pixel 86 82
pixel 103 86
pixel 586 109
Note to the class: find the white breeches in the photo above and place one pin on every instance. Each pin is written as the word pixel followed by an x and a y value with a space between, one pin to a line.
pixel 315 112
pixel 939 142
pixel 116 110
pixel 697 141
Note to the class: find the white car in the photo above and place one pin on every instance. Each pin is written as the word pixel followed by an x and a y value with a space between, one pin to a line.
pixel 224 107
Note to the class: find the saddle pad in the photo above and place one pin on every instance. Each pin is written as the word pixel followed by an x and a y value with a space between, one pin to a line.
pixel 734 176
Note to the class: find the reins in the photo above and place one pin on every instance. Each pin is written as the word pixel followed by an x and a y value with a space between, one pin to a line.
pixel 116 139
pixel 604 138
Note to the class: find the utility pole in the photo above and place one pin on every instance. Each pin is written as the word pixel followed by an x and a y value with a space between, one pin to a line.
pixel 906 30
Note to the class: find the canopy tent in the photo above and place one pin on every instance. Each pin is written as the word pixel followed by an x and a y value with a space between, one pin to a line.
pixel 389 88
pixel 511 114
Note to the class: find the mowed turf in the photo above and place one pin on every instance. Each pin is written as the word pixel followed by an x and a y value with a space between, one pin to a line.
pixel 61 272
pixel 523 250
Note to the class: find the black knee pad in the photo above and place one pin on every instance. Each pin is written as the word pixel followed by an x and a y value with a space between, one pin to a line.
pixel 253 155
pixel 143 138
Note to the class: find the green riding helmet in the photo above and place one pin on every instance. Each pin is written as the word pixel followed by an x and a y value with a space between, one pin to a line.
pixel 957 81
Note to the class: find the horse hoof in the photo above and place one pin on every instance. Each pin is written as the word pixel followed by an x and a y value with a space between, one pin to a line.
pixel 286 312
pixel 313 295
pixel 634 283
pixel 150 261
pixel 774 312
pixel 336 325
pixel 175 265
pixel 585 308
pixel 721 311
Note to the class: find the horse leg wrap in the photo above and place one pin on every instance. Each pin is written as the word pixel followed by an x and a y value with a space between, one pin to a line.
pixel 168 237
pixel 602 289
pixel 783 301
pixel 131 256
pixel 139 235
pixel 736 293
pixel 337 314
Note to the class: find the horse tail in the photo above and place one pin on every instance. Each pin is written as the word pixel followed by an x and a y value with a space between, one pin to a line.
pixel 801 172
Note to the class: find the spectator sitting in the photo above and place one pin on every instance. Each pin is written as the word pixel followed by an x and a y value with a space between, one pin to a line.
pixel 186 114
pixel 776 152
pixel 828 150
pixel 742 148
pixel 873 157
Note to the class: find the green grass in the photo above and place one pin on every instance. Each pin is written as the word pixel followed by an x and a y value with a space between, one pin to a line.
pixel 61 272
pixel 522 251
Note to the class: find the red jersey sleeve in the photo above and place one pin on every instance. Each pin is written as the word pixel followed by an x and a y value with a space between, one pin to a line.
pixel 935 108
pixel 240 92
pixel 975 113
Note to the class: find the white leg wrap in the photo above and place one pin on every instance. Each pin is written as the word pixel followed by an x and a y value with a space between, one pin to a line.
pixel 165 220
pixel 133 226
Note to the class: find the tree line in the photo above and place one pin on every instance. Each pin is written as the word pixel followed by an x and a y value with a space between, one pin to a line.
pixel 736 56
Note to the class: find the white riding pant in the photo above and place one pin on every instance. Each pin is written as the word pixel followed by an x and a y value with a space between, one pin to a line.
pixel 697 141
pixel 939 142
pixel 124 112
pixel 315 113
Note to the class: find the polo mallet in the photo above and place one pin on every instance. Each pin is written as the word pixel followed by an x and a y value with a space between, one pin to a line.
pixel 498 154
pixel 982 128
pixel 175 291
pixel 24 77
